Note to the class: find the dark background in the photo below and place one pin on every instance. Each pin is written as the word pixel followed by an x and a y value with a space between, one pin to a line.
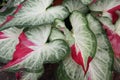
pixel 48 74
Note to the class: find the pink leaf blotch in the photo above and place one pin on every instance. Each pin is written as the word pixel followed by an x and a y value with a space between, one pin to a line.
pixel 77 57
pixel 2 35
pixel 22 50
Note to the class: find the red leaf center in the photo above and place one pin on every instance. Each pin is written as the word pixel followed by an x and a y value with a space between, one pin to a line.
pixel 77 57
pixel 22 50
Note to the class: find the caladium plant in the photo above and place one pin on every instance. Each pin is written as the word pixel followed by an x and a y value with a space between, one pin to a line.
pixel 72 65
pixel 81 35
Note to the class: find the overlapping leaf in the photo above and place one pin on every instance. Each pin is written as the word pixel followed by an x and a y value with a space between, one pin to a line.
pixel 112 31
pixel 85 41
pixel 69 70
pixel 40 13
pixel 107 22
pixel 114 38
pixel 104 5
pixel 107 7
pixel 56 34
pixel 77 64
pixel 91 55
pixel 62 27
pixel 34 50
pixel 101 66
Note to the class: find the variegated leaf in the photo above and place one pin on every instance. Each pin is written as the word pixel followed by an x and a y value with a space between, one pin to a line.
pixel 7 15
pixel 82 37
pixel 56 34
pixel 34 50
pixel 107 22
pixel 8 41
pixel 114 37
pixel 68 34
pixel 73 67
pixel 40 13
pixel 101 66
pixel 73 5
pixel 104 5
pixel 85 41
pixel 69 70
pixel 107 7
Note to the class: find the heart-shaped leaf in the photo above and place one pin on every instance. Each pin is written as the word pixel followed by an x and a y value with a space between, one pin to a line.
pixel 34 50
pixel 85 41
pixel 100 68
pixel 69 70
pixel 114 38
pixel 75 66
